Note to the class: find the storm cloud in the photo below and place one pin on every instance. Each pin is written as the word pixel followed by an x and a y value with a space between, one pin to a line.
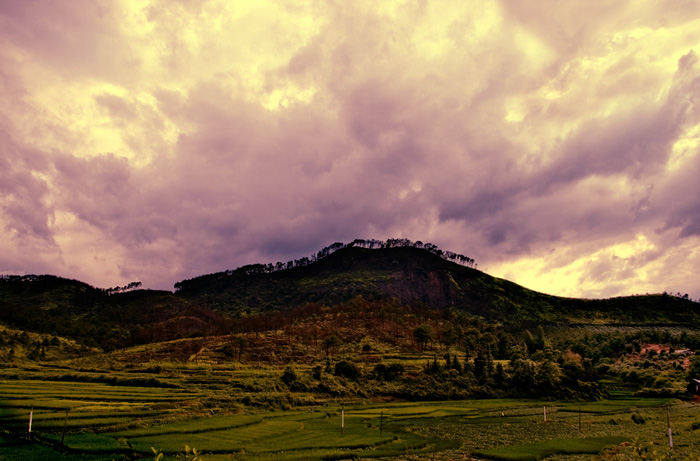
pixel 555 144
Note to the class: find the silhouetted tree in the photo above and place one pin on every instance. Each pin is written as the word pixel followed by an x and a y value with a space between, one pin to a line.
pixel 422 334
pixel 331 342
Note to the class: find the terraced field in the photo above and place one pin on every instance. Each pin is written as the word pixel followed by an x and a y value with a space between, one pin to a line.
pixel 102 420
pixel 106 421
pixel 85 406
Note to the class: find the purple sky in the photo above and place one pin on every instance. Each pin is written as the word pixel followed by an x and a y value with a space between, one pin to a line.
pixel 555 143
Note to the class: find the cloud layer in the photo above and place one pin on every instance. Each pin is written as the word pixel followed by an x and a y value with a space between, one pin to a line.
pixel 155 141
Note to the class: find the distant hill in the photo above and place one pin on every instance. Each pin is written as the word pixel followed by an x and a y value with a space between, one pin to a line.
pixel 418 276
pixel 73 309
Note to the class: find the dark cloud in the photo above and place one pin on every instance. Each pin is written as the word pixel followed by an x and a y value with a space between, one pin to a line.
pixel 680 200
pixel 24 193
pixel 498 131
pixel 116 107
pixel 75 37
pixel 97 189
pixel 635 144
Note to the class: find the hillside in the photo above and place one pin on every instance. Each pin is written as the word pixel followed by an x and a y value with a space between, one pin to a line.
pixel 73 309
pixel 417 278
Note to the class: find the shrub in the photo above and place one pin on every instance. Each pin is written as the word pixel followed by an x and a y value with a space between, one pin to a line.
pixel 388 372
pixel 603 368
pixel 347 370
pixel 227 350
pixel 631 377
pixel 289 376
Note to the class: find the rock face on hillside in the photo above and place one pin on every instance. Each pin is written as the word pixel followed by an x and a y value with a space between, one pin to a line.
pixel 436 289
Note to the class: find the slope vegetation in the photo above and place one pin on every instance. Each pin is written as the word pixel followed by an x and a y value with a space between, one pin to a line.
pixel 415 277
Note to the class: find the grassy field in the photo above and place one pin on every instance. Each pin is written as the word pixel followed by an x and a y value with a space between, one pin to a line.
pixel 122 406
pixel 111 421
pixel 538 450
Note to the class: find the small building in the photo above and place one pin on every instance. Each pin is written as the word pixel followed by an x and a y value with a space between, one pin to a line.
pixel 694 386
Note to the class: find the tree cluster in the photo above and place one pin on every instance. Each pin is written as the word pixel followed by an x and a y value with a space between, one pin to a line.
pixel 125 288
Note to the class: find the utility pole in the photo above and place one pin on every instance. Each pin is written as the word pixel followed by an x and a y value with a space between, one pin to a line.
pixel 31 416
pixel 668 423
pixel 579 418
pixel 65 423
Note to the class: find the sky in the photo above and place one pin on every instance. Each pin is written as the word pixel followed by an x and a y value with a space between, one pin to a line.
pixel 556 143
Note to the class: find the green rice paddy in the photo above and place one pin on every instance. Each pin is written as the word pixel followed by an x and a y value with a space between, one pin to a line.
pixel 103 421
pixel 538 450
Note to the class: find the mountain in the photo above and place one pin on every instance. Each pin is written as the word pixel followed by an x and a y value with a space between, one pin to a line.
pixel 417 277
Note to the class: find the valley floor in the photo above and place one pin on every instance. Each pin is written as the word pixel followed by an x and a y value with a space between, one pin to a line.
pixel 125 416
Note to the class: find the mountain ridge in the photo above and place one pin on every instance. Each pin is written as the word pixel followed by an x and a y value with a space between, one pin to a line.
pixel 417 277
